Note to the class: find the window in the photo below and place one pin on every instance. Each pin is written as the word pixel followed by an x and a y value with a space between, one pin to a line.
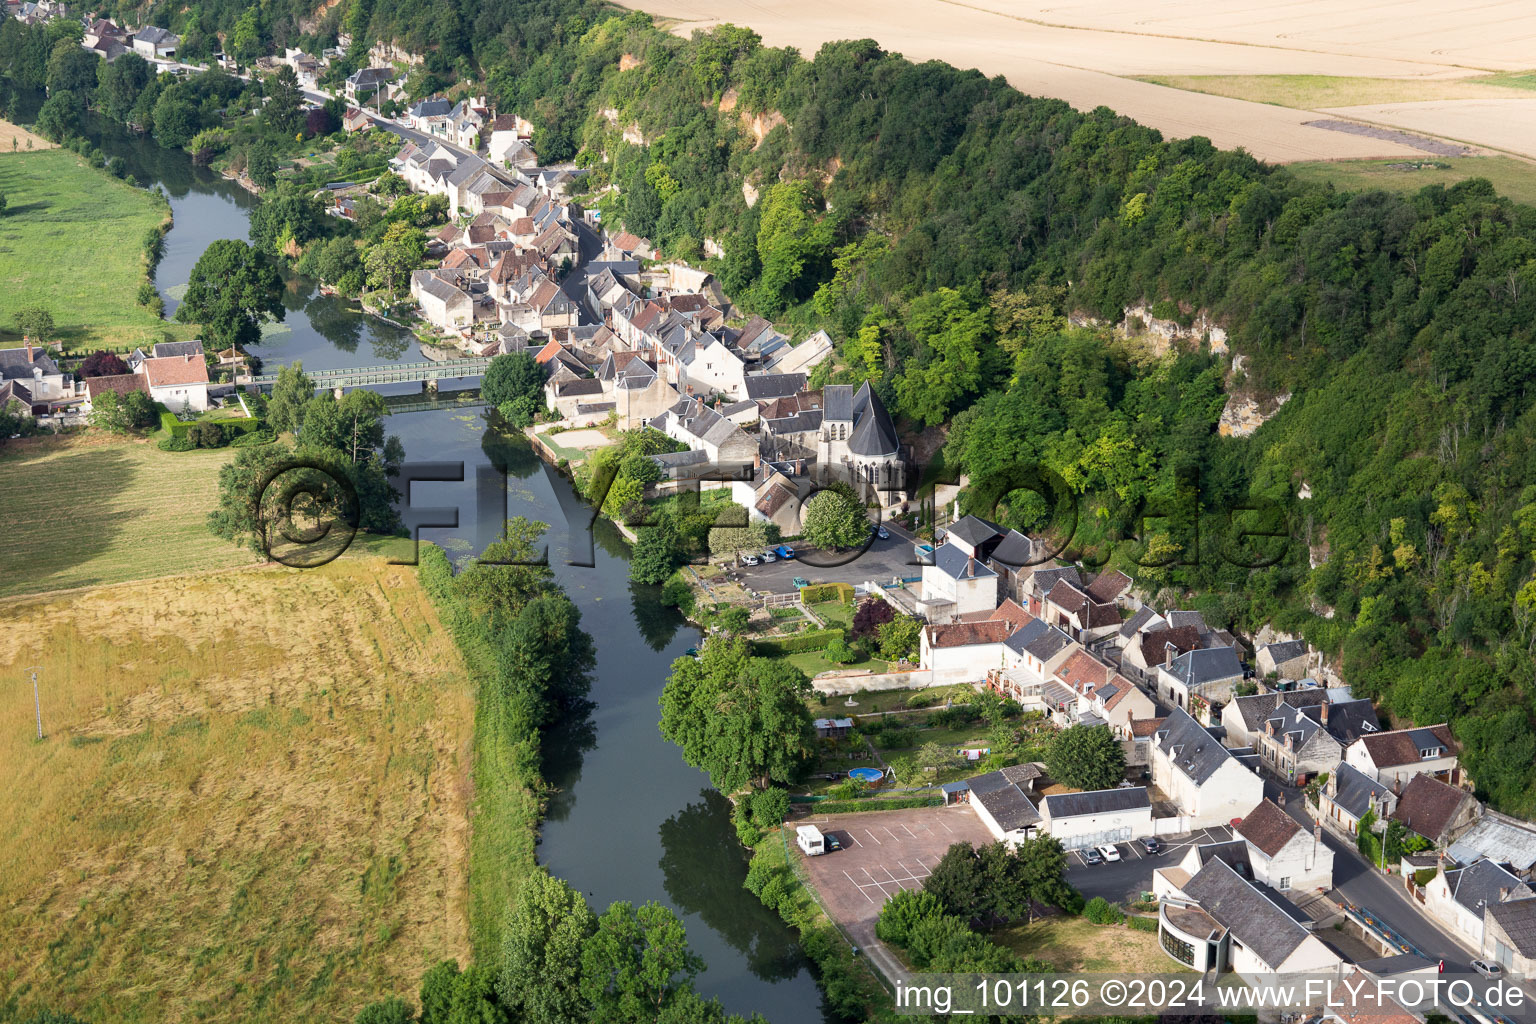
pixel 1285 884
pixel 1176 947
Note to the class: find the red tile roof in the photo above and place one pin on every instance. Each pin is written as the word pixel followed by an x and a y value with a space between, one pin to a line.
pixel 1392 749
pixel 1428 806
pixel 1146 726
pixel 120 383
pixel 963 634
pixel 1268 828
pixel 1082 671
pixel 168 371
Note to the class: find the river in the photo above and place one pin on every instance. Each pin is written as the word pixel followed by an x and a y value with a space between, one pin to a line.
pixel 629 819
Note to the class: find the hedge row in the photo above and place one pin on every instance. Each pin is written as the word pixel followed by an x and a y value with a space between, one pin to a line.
pixel 816 593
pixel 815 640
pixel 901 803
pixel 1141 924
pixel 232 428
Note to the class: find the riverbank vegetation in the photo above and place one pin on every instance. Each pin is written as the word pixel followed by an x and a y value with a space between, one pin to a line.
pixel 135 512
pixel 217 825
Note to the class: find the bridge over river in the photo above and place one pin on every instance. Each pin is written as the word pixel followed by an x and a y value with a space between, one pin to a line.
pixel 427 373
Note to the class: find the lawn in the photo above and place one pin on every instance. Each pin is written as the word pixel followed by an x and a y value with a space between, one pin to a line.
pixel 1073 944
pixel 1511 176
pixel 251 804
pixel 72 239
pixel 92 509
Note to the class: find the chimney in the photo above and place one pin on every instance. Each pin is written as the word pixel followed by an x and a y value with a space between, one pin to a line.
pixel 1503 893
pixel 27 339
pixel 1397 786
pixel 1168 650
pixel 1323 710
pixel 970 567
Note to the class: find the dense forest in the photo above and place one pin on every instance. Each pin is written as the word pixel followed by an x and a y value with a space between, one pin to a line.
pixel 949 231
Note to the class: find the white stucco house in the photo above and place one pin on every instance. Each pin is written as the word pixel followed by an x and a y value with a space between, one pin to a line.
pixel 1209 783
pixel 957 584
pixel 1460 897
pixel 1396 757
pixel 1097 817
pixel 1284 853
pixel 178 382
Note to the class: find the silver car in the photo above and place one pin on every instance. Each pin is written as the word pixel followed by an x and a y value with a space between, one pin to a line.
pixel 750 560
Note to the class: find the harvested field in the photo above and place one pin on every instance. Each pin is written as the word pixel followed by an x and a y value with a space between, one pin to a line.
pixel 93 509
pixel 251 803
pixel 1074 944
pixel 1081 55
pixel 15 139
pixel 1319 92
pixel 1506 124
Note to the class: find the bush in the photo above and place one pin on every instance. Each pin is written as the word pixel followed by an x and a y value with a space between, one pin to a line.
pixel 816 593
pixel 1101 911
pixel 251 440
pixel 1141 924
pixel 814 640
pixel 903 803
pixel 676 593
pixel 903 912
pixel 176 444
pixel 839 653
pixel 769 808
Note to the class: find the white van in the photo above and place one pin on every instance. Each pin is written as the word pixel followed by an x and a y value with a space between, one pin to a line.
pixel 811 840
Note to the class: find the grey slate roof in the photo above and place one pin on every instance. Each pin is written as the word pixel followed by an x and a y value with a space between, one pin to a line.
pixel 974 530
pixel 1186 618
pixel 1255 917
pixel 956 564
pixel 1193 751
pixel 432 108
pixel 764 386
pixel 177 348
pixel 1196 668
pixel 1045 579
pixel 15 366
pixel 1507 842
pixel 1014 551
pixel 1233 853
pixel 1518 919
pixel 1286 650
pixel 873 432
pixel 1099 801
pixel 1004 800
pixel 1355 789
pixel 1258 707
pixel 1144 618
pixel 1477 885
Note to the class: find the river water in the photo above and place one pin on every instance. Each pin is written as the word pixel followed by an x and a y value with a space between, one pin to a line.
pixel 629 819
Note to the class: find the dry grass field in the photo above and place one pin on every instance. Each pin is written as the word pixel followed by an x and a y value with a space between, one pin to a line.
pixel 1074 944
pixel 15 139
pixel 93 509
pixel 1106 51
pixel 1514 178
pixel 251 803
pixel 1320 92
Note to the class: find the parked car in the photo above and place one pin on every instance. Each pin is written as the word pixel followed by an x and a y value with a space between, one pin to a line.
pixel 883 533
pixel 785 552
pixel 1151 845
pixel 833 843
pixel 1092 856
pixel 1110 852
pixel 750 560
pixel 1487 969
pixel 769 556
pixel 800 581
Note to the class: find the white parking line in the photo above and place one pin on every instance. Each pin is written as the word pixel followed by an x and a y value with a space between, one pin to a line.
pixel 872 836
pixel 894 837
pixel 947 829
pixel 1138 853
pixel 859 887
pixel 855 843
pixel 909 831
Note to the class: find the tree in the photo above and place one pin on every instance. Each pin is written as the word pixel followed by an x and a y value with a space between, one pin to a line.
pixel 352 425
pixel 899 638
pixel 635 964
pixel 514 384
pixel 1086 757
pixel 838 652
pixel 35 322
pixel 542 941
pixel 72 69
pixel 233 290
pixel 390 261
pixel 547 658
pixel 902 913
pixel 658 551
pixel 261 163
pixel 108 413
pixel 59 117
pixel 245 42
pixel 741 719
pixel 834 518
pixel 282 113
pixel 121 83
pixel 735 620
pixel 175 118
pixel 290 399
pixel 871 614
pixel 102 363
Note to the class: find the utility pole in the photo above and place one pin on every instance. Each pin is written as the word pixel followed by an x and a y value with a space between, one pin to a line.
pixel 37 703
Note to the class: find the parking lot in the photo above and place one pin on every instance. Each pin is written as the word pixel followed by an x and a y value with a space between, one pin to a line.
pixel 882 853
pixel 1124 880
pixel 885 559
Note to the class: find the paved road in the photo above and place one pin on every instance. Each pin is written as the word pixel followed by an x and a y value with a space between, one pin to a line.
pixel 1357 882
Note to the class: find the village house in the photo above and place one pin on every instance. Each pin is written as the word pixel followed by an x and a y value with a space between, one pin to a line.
pixel 373 85
pixel 1102 695
pixel 774 496
pixel 443 303
pixel 1008 553
pixel 1297 743
pixel 636 389
pixel 1282 852
pixel 969 648
pixel 567 396
pixel 155 43
pixel 1206 781
pixel 1148 651
pixel 1397 756
pixel 802 358
pixel 728 447
pixel 1435 810
pixel 355 120
pixel 1509 936
pixel 1349 795
pixel 1218 918
pixel 1035 651
pixel 1207 675
pixel 1096 817
pixel 1355 1001
pixel 1500 838
pixel 121 384
pixel 1459 898
pixel 1285 660
pixel 956 584
pixel 1244 717
pixel 29 375
pixel 178 382
pixel 1079 615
